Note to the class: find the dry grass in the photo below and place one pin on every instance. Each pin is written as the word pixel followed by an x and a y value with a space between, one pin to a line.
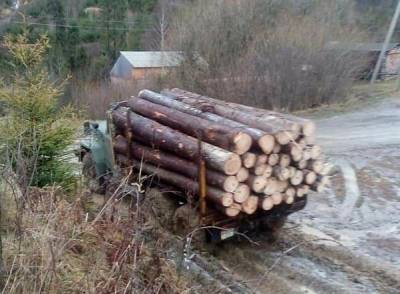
pixel 67 247
pixel 94 98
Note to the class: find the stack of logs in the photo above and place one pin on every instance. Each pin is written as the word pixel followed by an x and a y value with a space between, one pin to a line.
pixel 256 159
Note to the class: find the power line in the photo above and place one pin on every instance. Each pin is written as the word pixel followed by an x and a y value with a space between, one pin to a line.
pixel 74 26
pixel 100 21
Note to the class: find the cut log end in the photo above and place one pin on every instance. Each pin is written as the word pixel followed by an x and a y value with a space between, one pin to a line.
pixel 232 165
pixel 230 184
pixel 242 175
pixel 277 148
pixel 267 172
pixel 289 199
pixel 262 159
pixel 249 159
pixel 277 198
pixel 273 159
pixel 271 187
pixel 310 177
pixel 267 143
pixel 241 193
pixel 233 210
pixel 284 160
pixel 226 199
pixel 297 178
pixel 266 203
pixel 258 183
pixel 241 143
pixel 250 205
pixel 285 137
pixel 260 169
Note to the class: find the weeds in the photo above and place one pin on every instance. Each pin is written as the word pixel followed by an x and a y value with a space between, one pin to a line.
pixel 62 247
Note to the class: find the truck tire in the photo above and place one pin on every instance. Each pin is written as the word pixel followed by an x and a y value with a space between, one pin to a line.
pixel 88 167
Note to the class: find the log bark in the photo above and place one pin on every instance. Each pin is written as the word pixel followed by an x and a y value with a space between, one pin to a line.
pixel 217 134
pixel 284 131
pixel 214 195
pixel 297 123
pixel 173 163
pixel 262 139
pixel 166 138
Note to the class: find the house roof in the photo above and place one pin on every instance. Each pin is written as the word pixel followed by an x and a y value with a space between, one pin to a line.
pixel 365 47
pixel 144 59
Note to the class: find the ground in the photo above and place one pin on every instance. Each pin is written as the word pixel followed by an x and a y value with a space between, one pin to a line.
pixel 347 240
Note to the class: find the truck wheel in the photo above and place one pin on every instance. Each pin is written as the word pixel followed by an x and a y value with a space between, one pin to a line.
pixel 274 226
pixel 88 167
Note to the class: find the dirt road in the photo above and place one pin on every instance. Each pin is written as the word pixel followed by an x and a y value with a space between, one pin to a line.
pixel 347 240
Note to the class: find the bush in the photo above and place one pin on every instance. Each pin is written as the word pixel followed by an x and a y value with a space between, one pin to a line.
pixel 267 53
pixel 36 133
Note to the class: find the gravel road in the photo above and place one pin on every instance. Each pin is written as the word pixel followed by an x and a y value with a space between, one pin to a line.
pixel 347 240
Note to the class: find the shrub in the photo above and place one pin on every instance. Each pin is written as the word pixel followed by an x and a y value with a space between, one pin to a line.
pixel 267 53
pixel 36 133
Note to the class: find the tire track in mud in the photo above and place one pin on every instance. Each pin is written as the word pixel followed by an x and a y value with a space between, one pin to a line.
pixel 311 267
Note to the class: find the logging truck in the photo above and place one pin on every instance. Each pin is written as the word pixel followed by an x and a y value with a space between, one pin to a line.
pixel 233 168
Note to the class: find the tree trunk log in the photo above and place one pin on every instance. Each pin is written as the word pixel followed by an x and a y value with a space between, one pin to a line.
pixel 217 134
pixel 263 140
pixel 273 122
pixel 214 195
pixel 166 138
pixel 307 126
pixel 173 163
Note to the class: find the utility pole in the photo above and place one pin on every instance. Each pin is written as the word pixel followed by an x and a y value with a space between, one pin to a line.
pixel 385 44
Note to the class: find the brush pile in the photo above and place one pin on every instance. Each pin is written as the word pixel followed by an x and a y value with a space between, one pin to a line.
pixel 256 159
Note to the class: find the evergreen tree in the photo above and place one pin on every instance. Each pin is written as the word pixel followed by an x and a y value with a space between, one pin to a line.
pixel 113 17
pixel 36 135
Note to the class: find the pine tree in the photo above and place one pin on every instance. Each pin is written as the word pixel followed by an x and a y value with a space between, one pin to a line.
pixel 37 133
pixel 113 16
